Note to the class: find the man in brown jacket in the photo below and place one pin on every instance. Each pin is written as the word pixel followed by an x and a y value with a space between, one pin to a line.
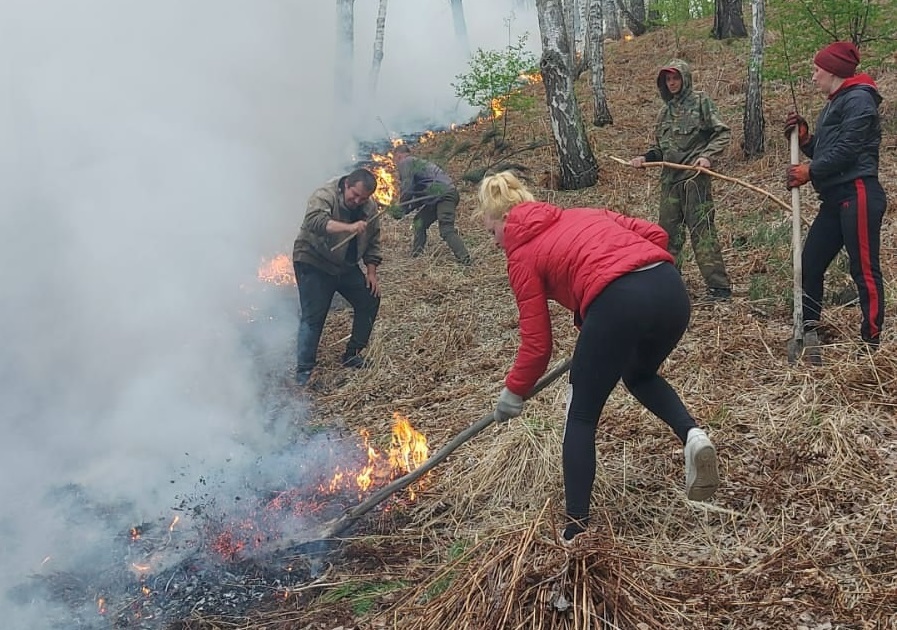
pixel 326 262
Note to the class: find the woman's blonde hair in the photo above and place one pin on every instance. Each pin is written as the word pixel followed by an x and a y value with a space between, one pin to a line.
pixel 499 193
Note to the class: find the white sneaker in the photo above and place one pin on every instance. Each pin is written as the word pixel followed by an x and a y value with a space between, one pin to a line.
pixel 701 475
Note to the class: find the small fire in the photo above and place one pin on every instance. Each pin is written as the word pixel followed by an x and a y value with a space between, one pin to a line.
pixel 429 135
pixel 101 605
pixel 498 108
pixel 535 77
pixel 277 270
pixel 384 170
pixel 628 37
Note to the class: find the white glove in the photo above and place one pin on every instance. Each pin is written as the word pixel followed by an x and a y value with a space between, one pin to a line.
pixel 509 405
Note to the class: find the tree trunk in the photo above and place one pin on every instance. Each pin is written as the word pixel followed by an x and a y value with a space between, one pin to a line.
pixel 578 166
pixel 460 26
pixel 727 20
pixel 345 51
pixel 568 9
pixel 582 33
pixel 612 28
pixel 378 46
pixel 596 61
pixel 754 123
pixel 635 16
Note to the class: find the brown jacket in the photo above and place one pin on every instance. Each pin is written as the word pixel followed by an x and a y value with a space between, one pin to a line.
pixel 313 244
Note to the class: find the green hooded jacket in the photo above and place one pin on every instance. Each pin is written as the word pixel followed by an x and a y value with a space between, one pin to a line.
pixel 313 244
pixel 688 126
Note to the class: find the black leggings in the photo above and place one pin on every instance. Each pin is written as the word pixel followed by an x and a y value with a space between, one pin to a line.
pixel 628 331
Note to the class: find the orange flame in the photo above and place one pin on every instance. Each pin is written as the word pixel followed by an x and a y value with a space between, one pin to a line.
pixel 384 171
pixel 497 106
pixel 277 270
pixel 535 77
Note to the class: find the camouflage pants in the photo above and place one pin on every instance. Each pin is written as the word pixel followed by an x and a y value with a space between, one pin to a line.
pixel 689 203
pixel 444 213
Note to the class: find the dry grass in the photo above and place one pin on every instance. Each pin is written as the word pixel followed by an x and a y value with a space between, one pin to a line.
pixel 803 531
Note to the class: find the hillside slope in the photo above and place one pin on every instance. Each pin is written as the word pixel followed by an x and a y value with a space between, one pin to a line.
pixel 803 531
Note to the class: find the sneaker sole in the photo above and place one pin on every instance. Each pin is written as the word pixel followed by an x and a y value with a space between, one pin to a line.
pixel 706 475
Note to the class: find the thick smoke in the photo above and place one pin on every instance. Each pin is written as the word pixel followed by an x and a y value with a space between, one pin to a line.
pixel 152 153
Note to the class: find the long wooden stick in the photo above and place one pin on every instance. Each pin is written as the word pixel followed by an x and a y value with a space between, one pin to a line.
pixel 701 169
pixel 381 213
pixel 798 315
pixel 339 525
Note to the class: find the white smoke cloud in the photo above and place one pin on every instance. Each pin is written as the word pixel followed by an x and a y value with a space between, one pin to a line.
pixel 151 153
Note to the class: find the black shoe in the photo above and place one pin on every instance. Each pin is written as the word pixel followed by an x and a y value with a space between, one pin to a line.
pixel 303 377
pixel 719 295
pixel 351 359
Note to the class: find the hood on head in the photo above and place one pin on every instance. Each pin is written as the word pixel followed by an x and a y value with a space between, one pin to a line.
pixel 684 71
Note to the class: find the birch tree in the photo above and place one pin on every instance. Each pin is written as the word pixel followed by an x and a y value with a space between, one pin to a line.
pixel 635 16
pixel 345 50
pixel 577 163
pixel 568 8
pixel 754 123
pixel 612 29
pixel 595 54
pixel 727 20
pixel 378 46
pixel 460 26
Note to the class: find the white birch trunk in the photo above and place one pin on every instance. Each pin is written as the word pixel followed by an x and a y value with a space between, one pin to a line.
pixel 569 13
pixel 345 51
pixel 460 26
pixel 577 163
pixel 596 63
pixel 754 123
pixel 378 46
pixel 582 32
pixel 612 29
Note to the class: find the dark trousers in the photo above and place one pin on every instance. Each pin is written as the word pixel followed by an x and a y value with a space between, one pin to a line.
pixel 689 204
pixel 628 332
pixel 316 290
pixel 849 218
pixel 444 212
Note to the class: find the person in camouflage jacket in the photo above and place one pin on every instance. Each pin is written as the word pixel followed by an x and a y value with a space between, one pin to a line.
pixel 689 131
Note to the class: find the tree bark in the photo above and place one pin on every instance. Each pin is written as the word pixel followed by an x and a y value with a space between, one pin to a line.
pixel 635 16
pixel 727 20
pixel 345 51
pixel 754 123
pixel 577 163
pixel 460 26
pixel 378 46
pixel 596 63
pixel 612 28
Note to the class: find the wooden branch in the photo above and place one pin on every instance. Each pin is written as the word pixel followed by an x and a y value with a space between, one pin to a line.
pixel 381 213
pixel 707 171
pixel 339 525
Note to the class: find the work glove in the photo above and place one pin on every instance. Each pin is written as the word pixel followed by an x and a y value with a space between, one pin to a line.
pixel 509 405
pixel 798 175
pixel 803 129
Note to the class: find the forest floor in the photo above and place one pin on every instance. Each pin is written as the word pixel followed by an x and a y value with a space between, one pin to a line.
pixel 803 530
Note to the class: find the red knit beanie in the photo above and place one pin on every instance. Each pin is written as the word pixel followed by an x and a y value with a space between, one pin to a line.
pixel 839 58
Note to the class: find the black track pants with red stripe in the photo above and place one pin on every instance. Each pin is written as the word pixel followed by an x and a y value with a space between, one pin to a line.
pixel 850 218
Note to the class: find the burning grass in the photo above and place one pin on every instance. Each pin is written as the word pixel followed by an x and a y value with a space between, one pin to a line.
pixel 803 531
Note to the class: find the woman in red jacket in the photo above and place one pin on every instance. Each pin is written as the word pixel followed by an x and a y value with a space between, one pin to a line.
pixel 630 305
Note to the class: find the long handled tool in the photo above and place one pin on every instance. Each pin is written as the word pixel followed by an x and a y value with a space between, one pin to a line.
pixel 802 342
pixel 339 525
pixel 383 211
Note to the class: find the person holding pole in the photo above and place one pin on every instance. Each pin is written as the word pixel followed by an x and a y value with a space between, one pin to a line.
pixel 689 131
pixel 843 169
pixel 340 230
pixel 630 305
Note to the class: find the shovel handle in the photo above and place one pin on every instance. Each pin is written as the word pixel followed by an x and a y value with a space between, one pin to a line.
pixel 796 244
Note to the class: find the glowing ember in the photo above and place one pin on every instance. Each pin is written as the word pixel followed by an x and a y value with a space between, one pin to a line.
pixel 426 137
pixel 277 270
pixel 384 170
pixel 628 37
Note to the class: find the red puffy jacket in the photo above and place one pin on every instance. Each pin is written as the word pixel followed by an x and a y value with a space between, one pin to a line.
pixel 568 256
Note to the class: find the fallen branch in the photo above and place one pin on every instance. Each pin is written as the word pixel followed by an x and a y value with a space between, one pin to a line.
pixel 707 171
pixel 339 525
